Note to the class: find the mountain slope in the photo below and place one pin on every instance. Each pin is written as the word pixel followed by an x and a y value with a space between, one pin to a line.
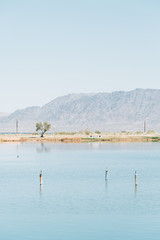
pixel 114 111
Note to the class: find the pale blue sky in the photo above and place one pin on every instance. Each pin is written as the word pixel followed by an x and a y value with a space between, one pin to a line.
pixel 52 48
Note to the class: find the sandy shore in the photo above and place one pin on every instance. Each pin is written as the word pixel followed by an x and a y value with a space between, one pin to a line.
pixel 79 138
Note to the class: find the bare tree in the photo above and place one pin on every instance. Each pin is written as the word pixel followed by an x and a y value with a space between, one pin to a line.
pixel 43 127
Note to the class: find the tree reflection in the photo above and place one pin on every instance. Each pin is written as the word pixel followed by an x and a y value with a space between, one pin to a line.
pixel 42 148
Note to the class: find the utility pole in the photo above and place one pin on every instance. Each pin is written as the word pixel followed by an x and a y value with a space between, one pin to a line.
pixel 16 126
pixel 144 126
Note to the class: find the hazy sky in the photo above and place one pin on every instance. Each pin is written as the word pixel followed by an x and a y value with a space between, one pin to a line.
pixel 52 48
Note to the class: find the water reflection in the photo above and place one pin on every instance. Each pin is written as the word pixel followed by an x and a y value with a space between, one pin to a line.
pixel 95 145
pixel 17 151
pixel 41 189
pixel 135 190
pixel 106 184
pixel 43 148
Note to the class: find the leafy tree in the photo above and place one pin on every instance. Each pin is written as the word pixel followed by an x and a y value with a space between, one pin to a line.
pixel 43 127
pixel 139 132
pixel 98 132
pixel 151 132
pixel 87 131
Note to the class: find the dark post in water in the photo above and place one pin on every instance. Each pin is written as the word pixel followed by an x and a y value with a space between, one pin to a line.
pixel 135 178
pixel 40 176
pixel 106 174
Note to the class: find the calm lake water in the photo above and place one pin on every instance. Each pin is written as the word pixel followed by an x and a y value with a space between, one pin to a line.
pixel 75 202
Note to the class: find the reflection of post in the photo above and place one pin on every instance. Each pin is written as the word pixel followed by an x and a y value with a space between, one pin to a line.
pixel 41 188
pixel 106 174
pixel 135 179
pixel 40 176
pixel 135 189
pixel 17 151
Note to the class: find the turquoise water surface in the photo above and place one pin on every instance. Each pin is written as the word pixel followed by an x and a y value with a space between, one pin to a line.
pixel 75 201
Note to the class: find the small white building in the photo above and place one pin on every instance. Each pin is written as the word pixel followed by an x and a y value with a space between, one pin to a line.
pixel 95 135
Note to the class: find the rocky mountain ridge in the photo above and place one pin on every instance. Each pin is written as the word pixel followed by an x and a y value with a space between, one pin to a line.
pixel 106 112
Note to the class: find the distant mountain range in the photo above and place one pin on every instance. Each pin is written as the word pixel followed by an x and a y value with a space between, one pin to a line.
pixel 108 112
pixel 2 115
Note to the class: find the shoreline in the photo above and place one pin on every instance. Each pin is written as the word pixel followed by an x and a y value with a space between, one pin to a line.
pixel 79 138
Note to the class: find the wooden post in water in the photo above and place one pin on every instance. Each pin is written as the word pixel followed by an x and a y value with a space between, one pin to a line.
pixel 106 174
pixel 40 176
pixel 135 178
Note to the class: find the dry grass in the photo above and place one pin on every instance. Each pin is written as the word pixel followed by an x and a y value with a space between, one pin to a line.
pixel 80 138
